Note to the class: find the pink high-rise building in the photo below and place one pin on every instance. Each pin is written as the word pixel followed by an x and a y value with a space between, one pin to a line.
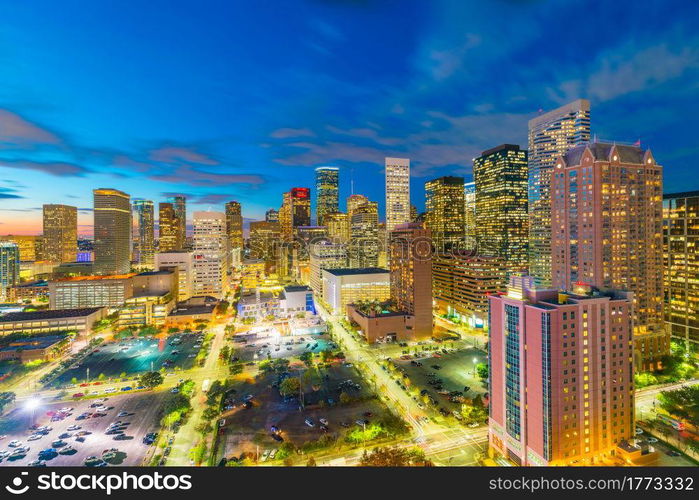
pixel 607 231
pixel 561 373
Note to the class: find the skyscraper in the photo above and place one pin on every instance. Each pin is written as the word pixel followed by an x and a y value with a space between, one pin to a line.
pixel 234 225
pixel 607 232
pixel 550 135
pixel 9 269
pixel 561 374
pixel 60 233
pixel 295 211
pixel 169 230
pixel 410 257
pixel 397 192
pixel 501 205
pixel 338 225
pixel 112 229
pixel 325 255
pixel 272 215
pixel 327 192
pixel 470 213
pixel 354 201
pixel 179 203
pixel 210 254
pixel 364 236
pixel 681 259
pixel 144 233
pixel 264 241
pixel 445 211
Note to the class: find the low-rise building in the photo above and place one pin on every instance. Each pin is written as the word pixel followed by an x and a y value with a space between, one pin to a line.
pixel 184 262
pixel 296 299
pixel 345 286
pixel 193 310
pixel 30 349
pixel 91 291
pixel 32 290
pixel 381 325
pixel 50 321
pixel 258 305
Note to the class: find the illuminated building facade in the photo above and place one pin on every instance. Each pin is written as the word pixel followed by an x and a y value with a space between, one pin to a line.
pixel 681 259
pixel 295 211
pixel 445 212
pixel 91 291
pixel 561 374
pixel 112 229
pixel 183 261
pixel 470 214
pixel 501 205
pixel 179 204
pixel 234 225
pixel 364 236
pixel 397 192
pixel 327 192
pixel 168 229
pixel 60 241
pixel 210 254
pixel 608 232
pixel 264 240
pixel 272 215
pixel 345 286
pixel 410 263
pixel 29 246
pixel 9 268
pixel 325 255
pixel 461 283
pixel 550 135
pixel 338 224
pixel 144 233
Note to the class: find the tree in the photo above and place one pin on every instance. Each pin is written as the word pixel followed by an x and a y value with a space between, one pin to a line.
pixel 311 462
pixel 151 379
pixel 290 386
pixel 394 457
pixel 307 358
pixel 682 403
pixel 235 368
pixel 6 399
pixel 482 370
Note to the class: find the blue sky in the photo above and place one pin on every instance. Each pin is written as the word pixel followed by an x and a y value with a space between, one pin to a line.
pixel 241 100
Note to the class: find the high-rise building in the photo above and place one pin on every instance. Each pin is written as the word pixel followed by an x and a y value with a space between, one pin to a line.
pixel 9 269
pixel 210 254
pixel 470 214
pixel 60 233
pixel 338 224
pixel 501 205
pixel 681 259
pixel 112 227
pixel 445 212
pixel 264 240
pixel 184 262
pixel 561 374
pixel 461 283
pixel 397 192
pixel 607 225
pixel 29 246
pixel 354 201
pixel 179 204
pixel 550 135
pixel 410 258
pixel 327 192
pixel 364 236
pixel 234 225
pixel 169 232
pixel 295 211
pixel 325 255
pixel 144 234
pixel 272 215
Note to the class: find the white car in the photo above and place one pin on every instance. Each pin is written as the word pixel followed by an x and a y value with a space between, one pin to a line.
pixel 323 421
pixel 4 454
pixel 34 437
pixel 110 390
pixel 73 427
pixel 65 410
pixel 639 431
pixel 309 422
pixel 652 440
pixel 14 444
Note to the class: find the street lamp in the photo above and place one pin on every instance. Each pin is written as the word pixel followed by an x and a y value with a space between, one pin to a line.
pixel 31 405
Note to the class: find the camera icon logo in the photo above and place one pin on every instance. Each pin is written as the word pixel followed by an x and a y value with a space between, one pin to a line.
pixel 16 488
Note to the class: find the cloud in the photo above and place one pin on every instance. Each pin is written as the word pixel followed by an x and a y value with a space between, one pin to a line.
pixel 177 154
pixel 186 174
pixel 57 168
pixel 286 133
pixel 15 131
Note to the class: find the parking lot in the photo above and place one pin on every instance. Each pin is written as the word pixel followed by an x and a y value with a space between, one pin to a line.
pixel 138 419
pixel 446 372
pixel 247 430
pixel 133 356
pixel 280 347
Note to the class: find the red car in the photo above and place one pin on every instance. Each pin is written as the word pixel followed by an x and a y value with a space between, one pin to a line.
pixel 84 384
pixel 78 395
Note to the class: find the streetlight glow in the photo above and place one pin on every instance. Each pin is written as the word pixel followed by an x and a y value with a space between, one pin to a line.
pixel 32 404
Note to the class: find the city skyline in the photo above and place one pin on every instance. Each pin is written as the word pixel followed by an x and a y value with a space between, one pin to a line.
pixel 73 139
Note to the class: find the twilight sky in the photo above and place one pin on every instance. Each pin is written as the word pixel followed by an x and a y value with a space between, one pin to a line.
pixel 225 100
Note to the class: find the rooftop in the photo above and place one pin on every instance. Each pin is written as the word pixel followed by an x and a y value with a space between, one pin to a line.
pixel 686 194
pixel 154 273
pixel 356 271
pixel 601 152
pixel 48 314
pixel 33 343
pixel 297 288
pixel 98 278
